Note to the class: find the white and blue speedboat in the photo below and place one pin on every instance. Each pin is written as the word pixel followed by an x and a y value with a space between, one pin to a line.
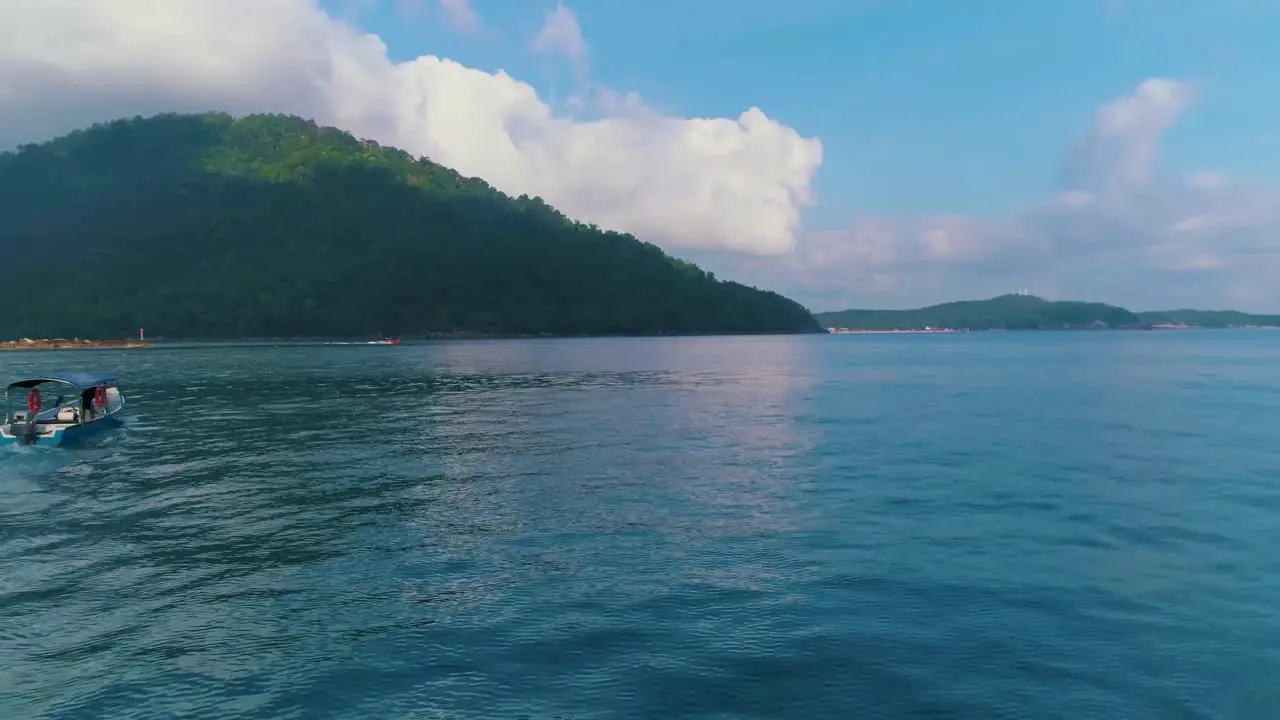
pixel 60 408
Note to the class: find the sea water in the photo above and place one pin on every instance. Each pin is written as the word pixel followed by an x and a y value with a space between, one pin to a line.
pixel 984 525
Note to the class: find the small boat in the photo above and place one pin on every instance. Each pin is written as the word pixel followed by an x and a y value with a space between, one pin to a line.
pixel 83 404
pixel 385 341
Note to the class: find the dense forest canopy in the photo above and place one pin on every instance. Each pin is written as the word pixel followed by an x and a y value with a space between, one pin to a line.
pixel 1006 312
pixel 272 226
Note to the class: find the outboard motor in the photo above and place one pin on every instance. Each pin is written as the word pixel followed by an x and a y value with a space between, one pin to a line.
pixel 25 432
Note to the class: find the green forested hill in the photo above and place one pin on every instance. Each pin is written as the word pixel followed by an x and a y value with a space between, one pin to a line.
pixel 1006 312
pixel 271 226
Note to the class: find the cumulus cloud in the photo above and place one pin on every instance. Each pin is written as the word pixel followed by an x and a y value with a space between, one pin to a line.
pixel 715 183
pixel 1119 230
pixel 1119 152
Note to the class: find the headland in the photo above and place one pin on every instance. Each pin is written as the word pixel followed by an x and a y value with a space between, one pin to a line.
pixel 271 210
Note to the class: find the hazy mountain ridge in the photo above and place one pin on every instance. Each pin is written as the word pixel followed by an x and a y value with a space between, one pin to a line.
pixel 1028 312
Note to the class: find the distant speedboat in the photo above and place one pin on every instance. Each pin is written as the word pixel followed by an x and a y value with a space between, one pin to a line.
pixel 384 341
pixel 83 404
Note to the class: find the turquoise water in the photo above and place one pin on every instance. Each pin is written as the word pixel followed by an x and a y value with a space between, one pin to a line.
pixel 1074 525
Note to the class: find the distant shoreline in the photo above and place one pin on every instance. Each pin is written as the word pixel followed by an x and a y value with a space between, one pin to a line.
pixel 74 344
pixel 926 331
pixel 948 331
pixel 164 342
pixel 80 344
pixel 1022 312
pixel 1169 326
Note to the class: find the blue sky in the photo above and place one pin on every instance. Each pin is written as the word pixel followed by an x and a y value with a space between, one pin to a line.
pixel 923 107
pixel 904 152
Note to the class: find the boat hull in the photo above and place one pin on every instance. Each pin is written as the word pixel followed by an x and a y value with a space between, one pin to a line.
pixel 62 436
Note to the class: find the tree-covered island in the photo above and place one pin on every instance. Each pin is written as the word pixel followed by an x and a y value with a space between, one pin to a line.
pixel 207 226
pixel 1028 312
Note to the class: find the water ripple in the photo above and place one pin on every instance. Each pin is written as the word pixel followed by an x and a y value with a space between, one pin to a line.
pixel 999 526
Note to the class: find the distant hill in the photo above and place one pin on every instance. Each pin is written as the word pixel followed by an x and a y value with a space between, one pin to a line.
pixel 204 226
pixel 1006 312
pixel 1209 318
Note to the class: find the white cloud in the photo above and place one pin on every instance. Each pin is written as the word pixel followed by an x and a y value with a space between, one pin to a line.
pixel 561 34
pixel 736 184
pixel 461 15
pixel 1120 231
pixel 1119 152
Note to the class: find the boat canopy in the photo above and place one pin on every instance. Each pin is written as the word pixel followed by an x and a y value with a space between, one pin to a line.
pixel 78 380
